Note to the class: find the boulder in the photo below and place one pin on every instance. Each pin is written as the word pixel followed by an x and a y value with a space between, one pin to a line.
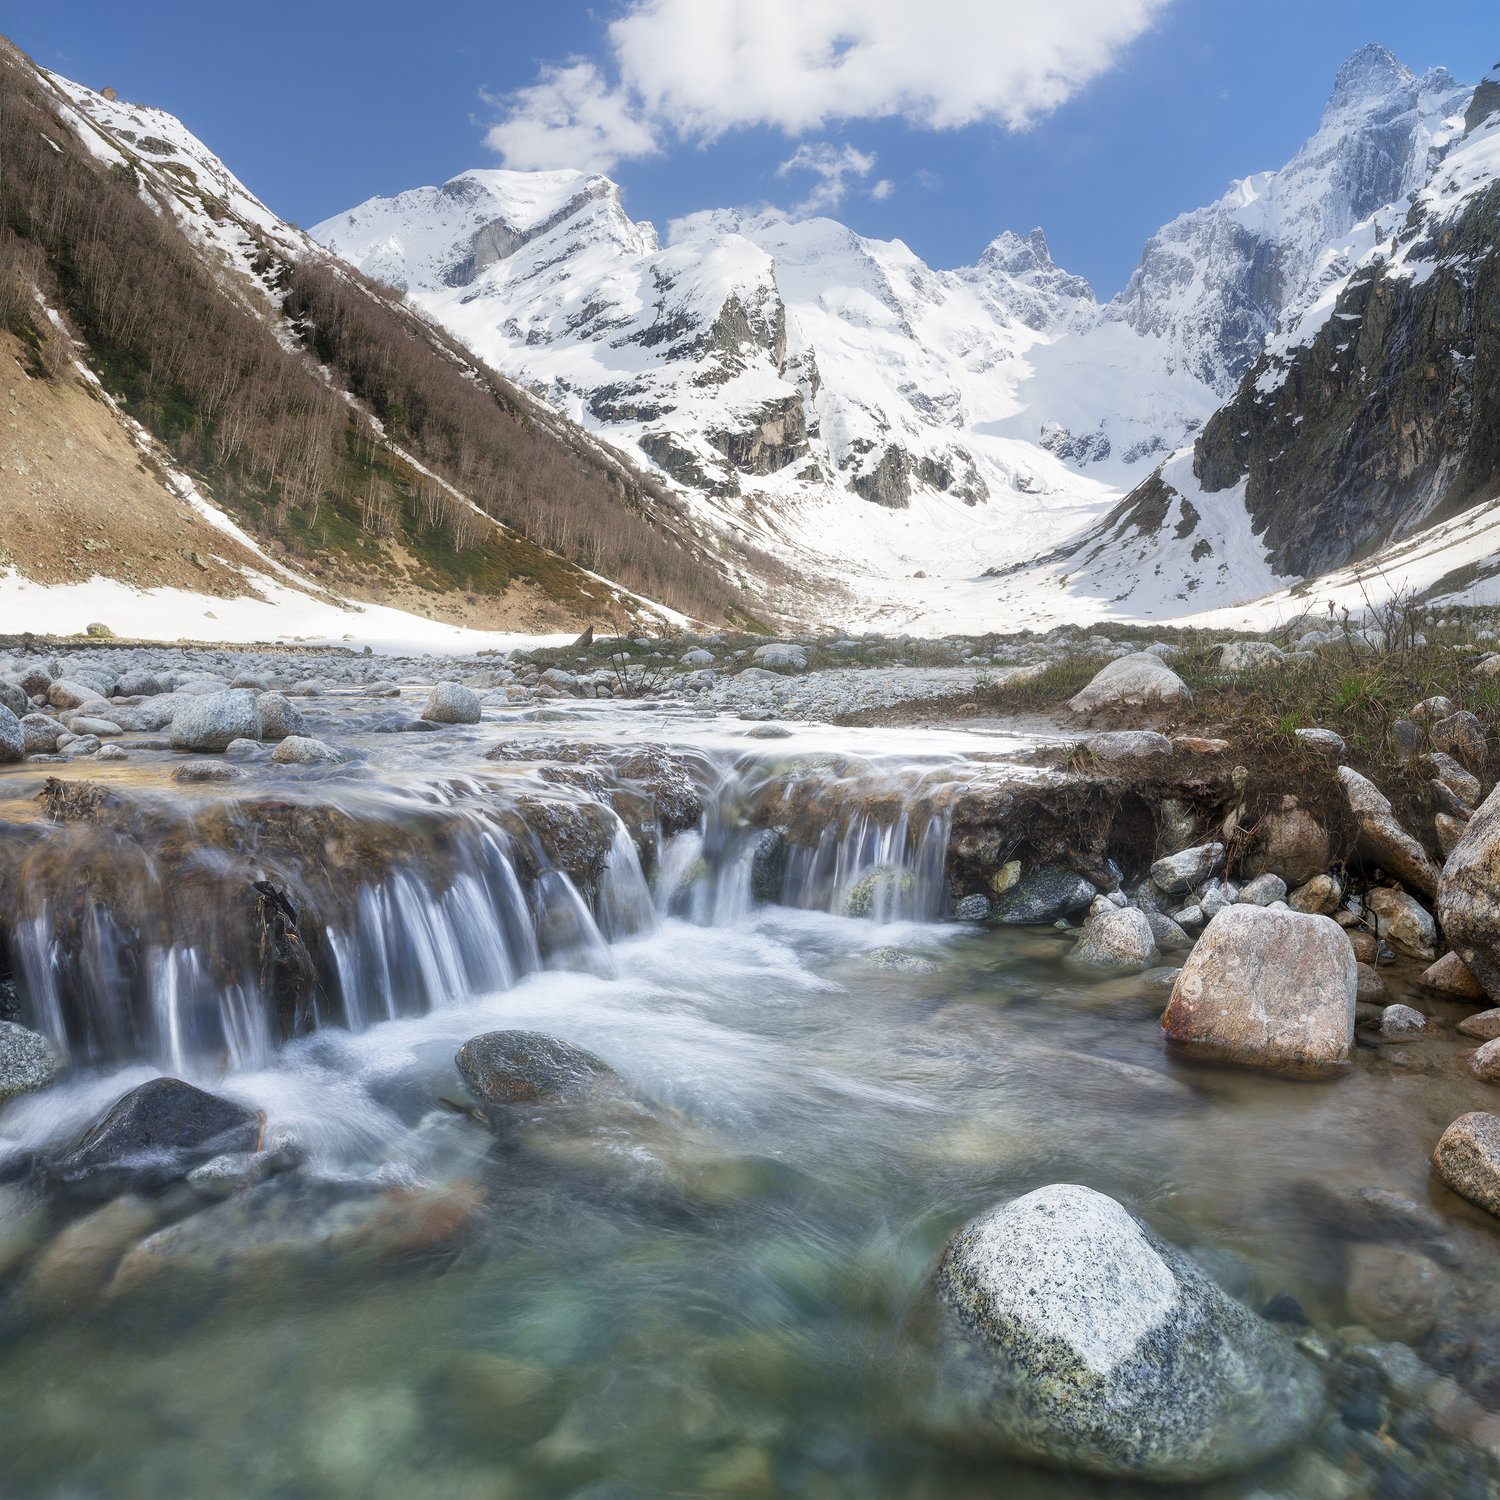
pixel 1268 989
pixel 1043 894
pixel 1484 1064
pixel 1188 869
pixel 525 1067
pixel 1468 898
pixel 1263 890
pixel 1460 734
pixel 1324 741
pixel 781 657
pixel 27 1061
pixel 1070 1334
pixel 972 908
pixel 1138 678
pixel 39 732
pixel 1382 839
pixel 1483 1025
pixel 12 737
pixel 154 1135
pixel 1467 1158
pixel 279 716
pixel 1404 921
pixel 1402 1020
pixel 14 697
pixel 208 722
pixel 452 703
pixel 299 750
pixel 1244 656
pixel 1449 774
pixel 1119 940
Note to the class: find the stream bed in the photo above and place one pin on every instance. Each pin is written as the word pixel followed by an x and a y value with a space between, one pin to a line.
pixel 711 1295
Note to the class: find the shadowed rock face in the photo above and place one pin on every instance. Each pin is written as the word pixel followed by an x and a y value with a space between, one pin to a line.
pixel 1267 989
pixel 1070 1334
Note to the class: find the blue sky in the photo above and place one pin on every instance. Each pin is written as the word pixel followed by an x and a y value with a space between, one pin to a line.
pixel 991 115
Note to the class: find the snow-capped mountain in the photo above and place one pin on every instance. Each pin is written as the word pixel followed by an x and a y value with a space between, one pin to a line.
pixel 835 398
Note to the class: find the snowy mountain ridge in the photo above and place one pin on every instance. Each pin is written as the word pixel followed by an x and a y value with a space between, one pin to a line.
pixel 869 417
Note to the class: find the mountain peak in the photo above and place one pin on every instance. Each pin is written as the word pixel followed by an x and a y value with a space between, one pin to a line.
pixel 1371 73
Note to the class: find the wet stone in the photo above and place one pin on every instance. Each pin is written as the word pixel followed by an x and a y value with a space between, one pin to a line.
pixel 154 1135
pixel 27 1061
pixel 523 1067
pixel 1072 1335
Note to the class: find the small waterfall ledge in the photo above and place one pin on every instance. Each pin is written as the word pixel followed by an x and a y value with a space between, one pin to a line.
pixel 197 927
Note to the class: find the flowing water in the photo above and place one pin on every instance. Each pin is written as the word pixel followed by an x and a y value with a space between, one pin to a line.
pixel 707 1293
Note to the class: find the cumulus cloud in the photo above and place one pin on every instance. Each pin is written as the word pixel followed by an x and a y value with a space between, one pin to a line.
pixel 831 165
pixel 691 70
pixel 882 190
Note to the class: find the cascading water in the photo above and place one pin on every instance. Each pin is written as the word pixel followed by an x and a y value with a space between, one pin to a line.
pixel 376 906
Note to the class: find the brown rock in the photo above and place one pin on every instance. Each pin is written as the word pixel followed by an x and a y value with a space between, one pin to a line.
pixel 1449 831
pixel 1483 1026
pixel 1320 896
pixel 1404 921
pixel 1450 975
pixel 1394 1292
pixel 1289 842
pixel 1467 1158
pixel 1267 989
pixel 1370 987
pixel 1484 1064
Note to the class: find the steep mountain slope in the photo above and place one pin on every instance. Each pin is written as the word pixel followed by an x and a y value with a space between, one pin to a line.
pixel 1370 420
pixel 330 440
pixel 862 414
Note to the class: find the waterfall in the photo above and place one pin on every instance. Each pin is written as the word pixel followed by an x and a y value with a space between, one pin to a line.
pixel 143 939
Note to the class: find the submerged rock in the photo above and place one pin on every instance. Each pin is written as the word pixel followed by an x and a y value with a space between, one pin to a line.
pixel 154 1135
pixel 27 1061
pixel 452 703
pixel 1267 989
pixel 1072 1335
pixel 523 1067
pixel 300 750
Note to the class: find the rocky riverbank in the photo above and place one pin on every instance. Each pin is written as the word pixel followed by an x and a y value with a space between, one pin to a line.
pixel 234 859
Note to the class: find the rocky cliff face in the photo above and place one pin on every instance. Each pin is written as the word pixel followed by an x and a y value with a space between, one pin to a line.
pixel 1215 282
pixel 1379 410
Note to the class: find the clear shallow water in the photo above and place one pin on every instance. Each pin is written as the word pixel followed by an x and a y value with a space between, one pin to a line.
pixel 711 1301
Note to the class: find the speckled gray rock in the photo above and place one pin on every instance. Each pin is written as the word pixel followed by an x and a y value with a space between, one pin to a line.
pixel 894 961
pixel 1137 678
pixel 1072 1335
pixel 452 703
pixel 279 716
pixel 27 1061
pixel 1404 921
pixel 299 750
pixel 1188 868
pixel 209 722
pixel 12 737
pixel 1467 1158
pixel 973 908
pixel 1263 890
pixel 1043 895
pixel 1244 656
pixel 1119 940
pixel 13 696
pixel 1268 989
pixel 1402 1020
pixel 1468 899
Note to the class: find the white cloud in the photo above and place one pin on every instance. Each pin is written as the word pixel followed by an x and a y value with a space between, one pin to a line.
pixel 882 190
pixel 831 165
pixel 694 69
pixel 570 117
